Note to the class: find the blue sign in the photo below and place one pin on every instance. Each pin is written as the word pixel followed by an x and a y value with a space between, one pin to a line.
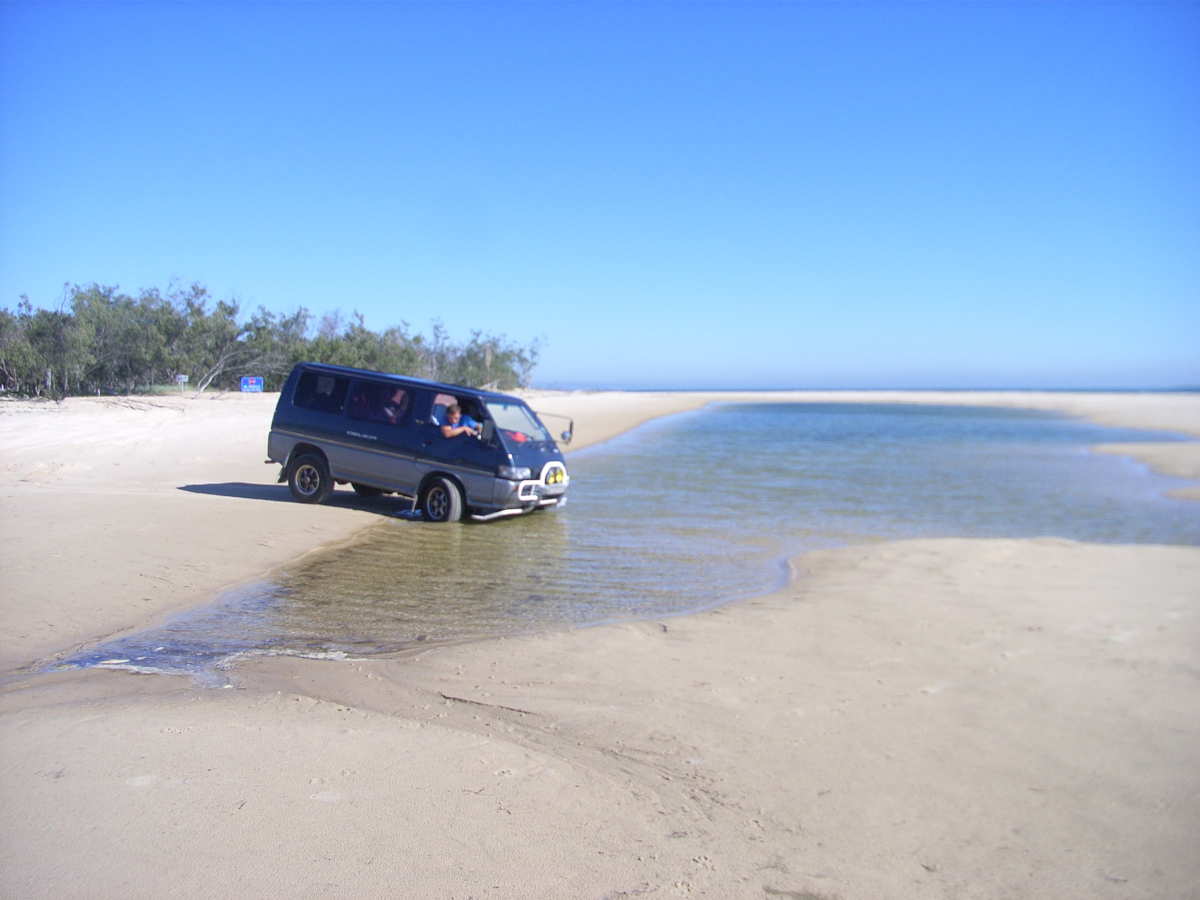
pixel 251 385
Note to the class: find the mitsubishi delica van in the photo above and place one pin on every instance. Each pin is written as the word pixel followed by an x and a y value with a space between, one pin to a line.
pixel 383 433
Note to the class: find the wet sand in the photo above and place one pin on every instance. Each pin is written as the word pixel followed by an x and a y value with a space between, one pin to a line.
pixel 916 719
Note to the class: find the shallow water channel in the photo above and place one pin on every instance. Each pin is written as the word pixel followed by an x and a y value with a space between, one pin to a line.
pixel 682 514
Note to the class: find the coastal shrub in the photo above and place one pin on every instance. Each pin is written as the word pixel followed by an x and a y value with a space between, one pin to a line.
pixel 101 341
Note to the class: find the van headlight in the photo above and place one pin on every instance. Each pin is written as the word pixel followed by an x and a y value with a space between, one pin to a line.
pixel 515 473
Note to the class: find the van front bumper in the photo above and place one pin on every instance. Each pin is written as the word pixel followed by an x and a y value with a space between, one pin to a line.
pixel 548 489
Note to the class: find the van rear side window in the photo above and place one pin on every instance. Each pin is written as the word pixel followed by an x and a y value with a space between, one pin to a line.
pixel 374 401
pixel 321 393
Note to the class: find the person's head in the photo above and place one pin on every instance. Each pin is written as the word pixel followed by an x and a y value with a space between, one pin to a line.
pixel 397 396
pixel 453 413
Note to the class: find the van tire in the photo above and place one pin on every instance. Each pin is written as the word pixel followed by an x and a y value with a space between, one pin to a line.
pixel 365 490
pixel 441 501
pixel 308 479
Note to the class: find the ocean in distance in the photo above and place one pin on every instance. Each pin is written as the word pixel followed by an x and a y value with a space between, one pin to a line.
pixel 682 514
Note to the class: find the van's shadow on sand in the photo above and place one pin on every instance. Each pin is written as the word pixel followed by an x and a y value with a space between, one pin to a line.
pixel 385 505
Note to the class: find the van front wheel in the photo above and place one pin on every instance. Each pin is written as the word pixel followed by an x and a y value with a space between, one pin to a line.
pixel 308 479
pixel 441 501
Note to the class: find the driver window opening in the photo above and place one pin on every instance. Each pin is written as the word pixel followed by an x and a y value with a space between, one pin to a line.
pixel 445 407
pixel 441 402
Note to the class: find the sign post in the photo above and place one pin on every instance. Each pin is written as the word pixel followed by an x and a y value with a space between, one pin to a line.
pixel 181 380
pixel 251 385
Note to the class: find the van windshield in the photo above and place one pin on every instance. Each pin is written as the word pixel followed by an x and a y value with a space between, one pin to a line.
pixel 516 422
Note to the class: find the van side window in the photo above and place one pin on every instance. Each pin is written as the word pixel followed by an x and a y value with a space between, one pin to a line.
pixel 321 393
pixel 378 401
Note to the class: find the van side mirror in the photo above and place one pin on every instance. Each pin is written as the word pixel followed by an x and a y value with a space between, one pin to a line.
pixel 566 435
pixel 488 432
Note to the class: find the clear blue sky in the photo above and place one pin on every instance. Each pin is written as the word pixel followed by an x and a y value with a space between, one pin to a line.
pixel 676 195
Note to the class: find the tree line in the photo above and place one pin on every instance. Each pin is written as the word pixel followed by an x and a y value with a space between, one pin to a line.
pixel 103 341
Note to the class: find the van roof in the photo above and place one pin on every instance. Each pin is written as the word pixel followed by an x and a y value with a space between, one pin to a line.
pixel 406 379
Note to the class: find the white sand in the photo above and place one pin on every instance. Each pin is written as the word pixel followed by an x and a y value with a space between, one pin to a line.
pixel 919 719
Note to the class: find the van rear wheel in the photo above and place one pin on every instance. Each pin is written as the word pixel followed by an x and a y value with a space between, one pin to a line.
pixel 441 501
pixel 308 479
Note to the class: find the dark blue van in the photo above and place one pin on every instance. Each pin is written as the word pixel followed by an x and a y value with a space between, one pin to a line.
pixel 388 433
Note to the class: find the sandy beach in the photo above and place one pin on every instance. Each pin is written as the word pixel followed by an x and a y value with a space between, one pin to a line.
pixel 931 718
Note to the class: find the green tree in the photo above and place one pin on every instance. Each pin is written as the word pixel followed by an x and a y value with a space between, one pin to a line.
pixel 128 340
pixel 18 360
pixel 277 342
pixel 213 346
pixel 393 350
pixel 59 349
pixel 492 362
